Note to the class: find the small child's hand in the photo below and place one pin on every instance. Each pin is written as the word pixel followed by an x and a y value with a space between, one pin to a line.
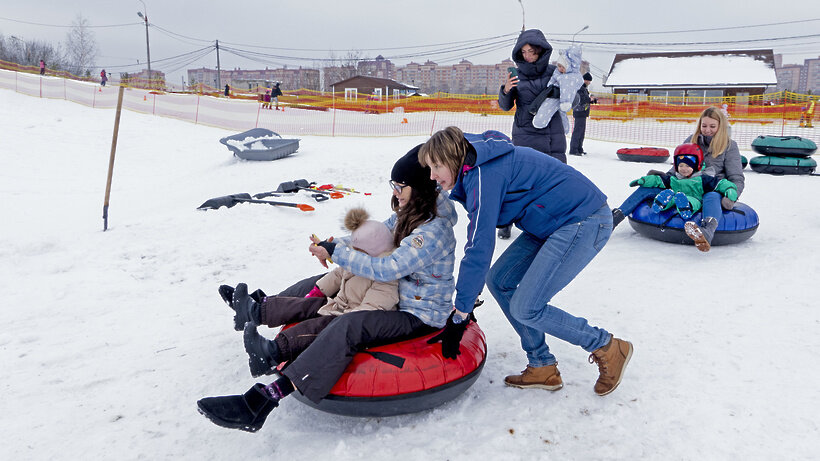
pixel 318 251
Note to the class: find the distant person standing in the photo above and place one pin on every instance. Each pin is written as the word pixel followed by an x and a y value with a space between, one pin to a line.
pixel 42 67
pixel 580 114
pixel 227 90
pixel 103 77
pixel 266 100
pixel 275 94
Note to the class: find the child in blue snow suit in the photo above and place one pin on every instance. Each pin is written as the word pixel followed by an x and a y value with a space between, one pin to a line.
pixel 683 190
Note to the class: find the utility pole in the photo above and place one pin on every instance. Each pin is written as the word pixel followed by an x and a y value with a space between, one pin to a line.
pixel 147 45
pixel 218 71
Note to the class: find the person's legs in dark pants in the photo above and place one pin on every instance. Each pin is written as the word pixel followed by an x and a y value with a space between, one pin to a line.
pixel 315 371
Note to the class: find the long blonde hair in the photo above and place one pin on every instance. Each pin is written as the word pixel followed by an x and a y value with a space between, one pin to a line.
pixel 720 141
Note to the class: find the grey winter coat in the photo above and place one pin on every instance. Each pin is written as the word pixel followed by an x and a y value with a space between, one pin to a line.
pixel 533 78
pixel 727 165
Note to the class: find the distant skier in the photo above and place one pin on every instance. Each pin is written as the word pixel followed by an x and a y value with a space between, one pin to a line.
pixel 103 77
pixel 42 67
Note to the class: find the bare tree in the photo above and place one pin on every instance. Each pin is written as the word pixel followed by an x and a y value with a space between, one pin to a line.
pixel 341 68
pixel 81 47
pixel 29 52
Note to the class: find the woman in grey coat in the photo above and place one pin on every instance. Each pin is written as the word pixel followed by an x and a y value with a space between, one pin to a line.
pixel 721 159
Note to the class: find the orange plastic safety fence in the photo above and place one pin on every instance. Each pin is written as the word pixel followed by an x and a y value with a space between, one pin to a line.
pixel 633 119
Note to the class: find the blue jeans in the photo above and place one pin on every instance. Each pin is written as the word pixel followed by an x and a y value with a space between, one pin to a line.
pixel 526 277
pixel 635 199
pixel 712 207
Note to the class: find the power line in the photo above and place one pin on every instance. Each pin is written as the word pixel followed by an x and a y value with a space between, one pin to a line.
pixel 381 48
pixel 70 25
pixel 712 29
pixel 176 35
pixel 169 60
pixel 716 42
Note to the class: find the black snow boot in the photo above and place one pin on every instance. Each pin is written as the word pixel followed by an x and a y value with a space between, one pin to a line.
pixel 263 354
pixel 226 293
pixel 247 310
pixel 244 412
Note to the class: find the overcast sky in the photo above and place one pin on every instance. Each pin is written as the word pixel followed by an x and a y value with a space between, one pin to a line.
pixel 276 33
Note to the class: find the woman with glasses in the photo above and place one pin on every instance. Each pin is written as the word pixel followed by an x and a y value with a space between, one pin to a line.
pixel 422 262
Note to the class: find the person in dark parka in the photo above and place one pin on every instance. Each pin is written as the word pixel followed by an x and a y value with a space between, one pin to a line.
pixel 531 54
pixel 580 114
pixel 534 71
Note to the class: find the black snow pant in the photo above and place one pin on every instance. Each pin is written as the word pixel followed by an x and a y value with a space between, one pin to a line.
pixel 276 311
pixel 316 370
pixel 576 143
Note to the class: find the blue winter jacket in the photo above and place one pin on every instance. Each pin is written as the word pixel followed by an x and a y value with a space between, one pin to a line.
pixel 423 265
pixel 502 184
pixel 533 78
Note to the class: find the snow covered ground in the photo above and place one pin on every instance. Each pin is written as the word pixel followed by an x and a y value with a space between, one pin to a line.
pixel 109 338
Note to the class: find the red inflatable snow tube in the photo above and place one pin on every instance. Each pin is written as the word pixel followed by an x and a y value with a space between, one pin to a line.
pixel 643 154
pixel 404 377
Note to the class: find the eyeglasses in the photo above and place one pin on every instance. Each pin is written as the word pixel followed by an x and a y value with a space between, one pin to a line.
pixel 396 186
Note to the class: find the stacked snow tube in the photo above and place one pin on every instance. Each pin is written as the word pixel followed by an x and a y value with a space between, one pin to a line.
pixel 744 161
pixel 783 155
pixel 738 224
pixel 643 154
pixel 404 377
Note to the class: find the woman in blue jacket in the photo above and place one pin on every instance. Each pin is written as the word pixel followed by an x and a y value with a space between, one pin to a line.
pixel 422 262
pixel 565 222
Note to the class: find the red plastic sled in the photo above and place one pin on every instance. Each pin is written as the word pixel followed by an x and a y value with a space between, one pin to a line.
pixel 643 154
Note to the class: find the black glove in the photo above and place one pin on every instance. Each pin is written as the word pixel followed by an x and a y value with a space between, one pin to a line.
pixel 450 337
pixel 329 246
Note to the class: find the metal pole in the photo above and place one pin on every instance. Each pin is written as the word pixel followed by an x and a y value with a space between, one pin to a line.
pixel 218 71
pixel 147 45
pixel 111 158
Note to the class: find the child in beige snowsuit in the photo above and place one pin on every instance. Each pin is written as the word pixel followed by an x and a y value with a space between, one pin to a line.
pixel 338 292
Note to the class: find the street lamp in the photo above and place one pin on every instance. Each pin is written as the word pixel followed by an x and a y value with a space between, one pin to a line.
pixel 573 35
pixel 147 46
pixel 24 49
pixel 522 14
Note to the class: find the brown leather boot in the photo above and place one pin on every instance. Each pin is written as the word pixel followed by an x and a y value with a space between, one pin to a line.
pixel 612 360
pixel 702 235
pixel 547 377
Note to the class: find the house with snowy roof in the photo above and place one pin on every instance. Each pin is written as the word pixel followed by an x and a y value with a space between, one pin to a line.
pixel 693 75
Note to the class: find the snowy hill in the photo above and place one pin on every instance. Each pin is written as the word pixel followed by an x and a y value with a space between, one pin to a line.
pixel 109 338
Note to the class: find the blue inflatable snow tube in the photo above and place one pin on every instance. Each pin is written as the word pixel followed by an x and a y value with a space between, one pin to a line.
pixel 738 224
